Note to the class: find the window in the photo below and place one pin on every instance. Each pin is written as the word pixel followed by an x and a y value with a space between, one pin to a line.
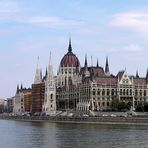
pixel 94 92
pixel 144 92
pixel 98 92
pixel 107 92
pixel 112 92
pixel 103 92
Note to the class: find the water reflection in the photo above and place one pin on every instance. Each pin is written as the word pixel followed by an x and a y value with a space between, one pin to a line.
pixel 15 134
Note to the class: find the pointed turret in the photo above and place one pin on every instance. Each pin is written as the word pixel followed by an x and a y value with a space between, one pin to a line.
pixel 38 76
pixel 69 47
pixel 86 72
pixel 85 64
pixel 21 86
pixel 46 72
pixel 97 64
pixel 17 90
pixel 107 67
pixel 50 69
pixel 137 75
pixel 147 74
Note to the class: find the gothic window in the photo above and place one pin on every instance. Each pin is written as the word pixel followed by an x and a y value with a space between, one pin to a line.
pixel 140 92
pixel 127 92
pixel 98 92
pixel 120 91
pixel 94 92
pixel 144 92
pixel 103 103
pixel 112 92
pixel 107 103
pixel 136 92
pixel 123 91
pixel 103 92
pixel 51 97
pixel 130 91
pixel 107 92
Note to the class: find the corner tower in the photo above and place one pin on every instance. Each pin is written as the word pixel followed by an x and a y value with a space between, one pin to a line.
pixel 49 105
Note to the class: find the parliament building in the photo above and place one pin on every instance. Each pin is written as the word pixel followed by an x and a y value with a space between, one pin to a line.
pixel 82 88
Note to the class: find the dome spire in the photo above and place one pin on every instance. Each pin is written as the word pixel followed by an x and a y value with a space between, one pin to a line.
pixel 85 64
pixel 69 47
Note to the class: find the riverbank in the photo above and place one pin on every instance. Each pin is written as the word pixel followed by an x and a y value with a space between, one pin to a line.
pixel 90 120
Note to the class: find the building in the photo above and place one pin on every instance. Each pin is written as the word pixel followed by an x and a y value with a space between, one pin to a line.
pixel 22 100
pixel 37 92
pixel 3 105
pixel 10 105
pixel 27 100
pixel 49 103
pixel 84 88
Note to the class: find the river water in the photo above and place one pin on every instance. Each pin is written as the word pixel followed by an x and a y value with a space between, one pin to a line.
pixel 18 134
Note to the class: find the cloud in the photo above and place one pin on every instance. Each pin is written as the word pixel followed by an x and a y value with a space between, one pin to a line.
pixel 133 48
pixel 136 21
pixel 52 21
pixel 9 10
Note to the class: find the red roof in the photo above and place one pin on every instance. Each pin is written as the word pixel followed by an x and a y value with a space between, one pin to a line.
pixel 106 80
pixel 140 81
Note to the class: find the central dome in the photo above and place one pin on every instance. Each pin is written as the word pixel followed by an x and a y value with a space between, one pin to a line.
pixel 70 59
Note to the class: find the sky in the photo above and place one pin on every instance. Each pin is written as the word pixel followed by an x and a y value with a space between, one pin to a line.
pixel 98 28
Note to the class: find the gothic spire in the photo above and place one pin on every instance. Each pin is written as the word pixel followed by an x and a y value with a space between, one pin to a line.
pixel 107 66
pixel 17 89
pixel 70 47
pixel 38 76
pixel 50 69
pixel 85 64
pixel 21 86
pixel 46 72
pixel 97 64
pixel 137 75
pixel 147 74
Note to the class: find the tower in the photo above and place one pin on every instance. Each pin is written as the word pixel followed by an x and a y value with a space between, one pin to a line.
pixel 49 105
pixel 37 91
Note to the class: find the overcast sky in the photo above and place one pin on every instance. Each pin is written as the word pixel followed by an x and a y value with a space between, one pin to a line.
pixel 99 28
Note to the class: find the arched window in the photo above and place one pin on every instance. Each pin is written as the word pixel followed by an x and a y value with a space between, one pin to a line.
pixel 123 91
pixel 108 92
pixel 98 92
pixel 112 92
pixel 127 92
pixel 94 92
pixel 103 92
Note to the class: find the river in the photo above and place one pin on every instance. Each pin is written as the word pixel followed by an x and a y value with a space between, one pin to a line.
pixel 19 134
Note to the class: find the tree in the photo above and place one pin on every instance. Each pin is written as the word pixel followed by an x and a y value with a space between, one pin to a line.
pixel 123 106
pixel 115 103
